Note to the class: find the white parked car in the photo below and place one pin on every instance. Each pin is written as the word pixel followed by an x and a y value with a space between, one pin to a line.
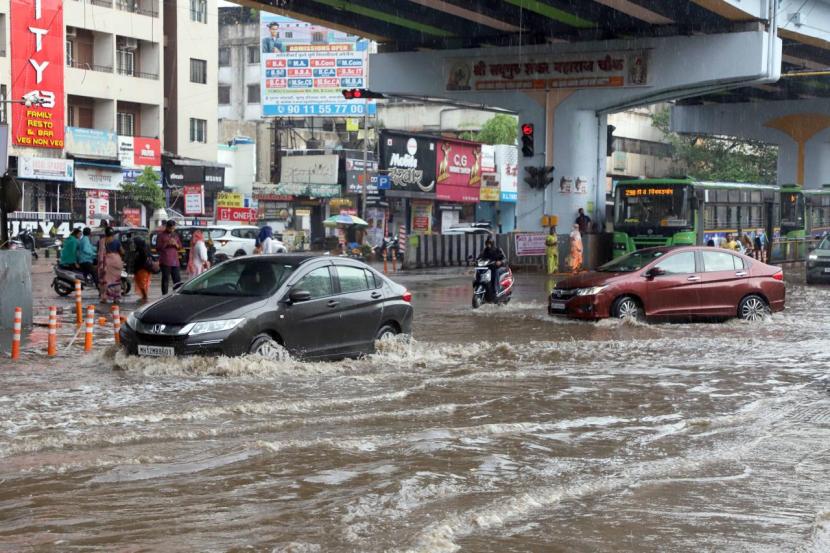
pixel 234 241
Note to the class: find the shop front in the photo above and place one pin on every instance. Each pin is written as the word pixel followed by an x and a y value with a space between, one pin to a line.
pixel 46 185
pixel 313 180
pixel 458 178
pixel 98 173
pixel 409 161
pixel 136 153
pixel 185 179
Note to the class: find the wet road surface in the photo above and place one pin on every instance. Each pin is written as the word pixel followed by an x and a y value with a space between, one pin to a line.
pixel 495 430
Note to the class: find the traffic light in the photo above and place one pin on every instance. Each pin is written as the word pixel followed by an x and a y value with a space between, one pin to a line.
pixel 539 177
pixel 360 94
pixel 527 139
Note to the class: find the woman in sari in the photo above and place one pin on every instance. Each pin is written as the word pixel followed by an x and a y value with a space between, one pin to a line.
pixel 101 262
pixel 197 262
pixel 113 267
pixel 576 250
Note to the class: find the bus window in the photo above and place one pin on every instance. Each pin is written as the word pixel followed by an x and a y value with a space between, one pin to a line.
pixel 734 196
pixel 709 217
pixel 792 212
pixel 721 221
pixel 757 220
pixel 756 197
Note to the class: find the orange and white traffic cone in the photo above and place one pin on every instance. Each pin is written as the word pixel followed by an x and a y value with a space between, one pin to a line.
pixel 90 327
pixel 18 326
pixel 79 308
pixel 52 344
pixel 385 263
pixel 394 262
pixel 116 322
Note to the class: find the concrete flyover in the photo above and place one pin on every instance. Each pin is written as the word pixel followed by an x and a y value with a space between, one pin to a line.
pixel 563 65
pixel 793 113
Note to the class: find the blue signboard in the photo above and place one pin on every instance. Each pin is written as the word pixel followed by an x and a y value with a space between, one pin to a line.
pixel 346 110
pixel 384 183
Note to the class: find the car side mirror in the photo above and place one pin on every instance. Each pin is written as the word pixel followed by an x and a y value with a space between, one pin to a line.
pixel 299 295
pixel 654 272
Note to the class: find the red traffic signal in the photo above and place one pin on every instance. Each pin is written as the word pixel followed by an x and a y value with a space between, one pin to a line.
pixel 360 94
pixel 527 129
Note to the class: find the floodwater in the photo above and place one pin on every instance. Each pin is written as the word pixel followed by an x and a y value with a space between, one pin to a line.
pixel 496 430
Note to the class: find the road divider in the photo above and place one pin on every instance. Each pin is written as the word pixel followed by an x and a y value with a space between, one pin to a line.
pixel 52 342
pixel 18 326
pixel 90 327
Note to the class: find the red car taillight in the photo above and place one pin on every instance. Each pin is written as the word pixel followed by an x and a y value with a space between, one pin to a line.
pixel 779 275
pixel 407 296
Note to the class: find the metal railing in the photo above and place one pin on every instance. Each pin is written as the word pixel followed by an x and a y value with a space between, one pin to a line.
pixel 89 66
pixel 140 74
pixel 135 8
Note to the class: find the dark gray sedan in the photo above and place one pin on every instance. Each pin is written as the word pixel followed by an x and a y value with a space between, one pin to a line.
pixel 311 306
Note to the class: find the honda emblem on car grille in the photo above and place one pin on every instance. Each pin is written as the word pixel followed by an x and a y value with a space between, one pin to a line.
pixel 157 329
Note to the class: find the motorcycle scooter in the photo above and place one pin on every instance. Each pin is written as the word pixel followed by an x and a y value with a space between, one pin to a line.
pixel 483 292
pixel 64 281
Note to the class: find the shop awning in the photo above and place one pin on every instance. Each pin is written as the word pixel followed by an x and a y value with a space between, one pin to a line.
pixel 113 166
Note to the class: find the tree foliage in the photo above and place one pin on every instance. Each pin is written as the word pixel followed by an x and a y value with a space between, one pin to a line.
pixel 719 158
pixel 145 190
pixel 499 129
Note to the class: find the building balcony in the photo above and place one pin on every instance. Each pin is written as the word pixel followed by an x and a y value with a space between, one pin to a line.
pixel 141 8
pixel 89 66
pixel 140 74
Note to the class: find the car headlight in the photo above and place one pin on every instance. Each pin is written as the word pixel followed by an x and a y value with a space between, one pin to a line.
pixel 812 257
pixel 132 321
pixel 593 291
pixel 214 326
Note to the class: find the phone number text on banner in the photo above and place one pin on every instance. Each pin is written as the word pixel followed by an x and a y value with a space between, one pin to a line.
pixel 357 108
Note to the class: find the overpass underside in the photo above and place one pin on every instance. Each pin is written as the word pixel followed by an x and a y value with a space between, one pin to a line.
pixel 563 65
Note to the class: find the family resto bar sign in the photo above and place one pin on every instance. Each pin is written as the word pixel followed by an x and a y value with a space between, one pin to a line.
pixel 542 72
pixel 37 68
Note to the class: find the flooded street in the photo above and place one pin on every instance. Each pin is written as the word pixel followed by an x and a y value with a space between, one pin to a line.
pixel 495 430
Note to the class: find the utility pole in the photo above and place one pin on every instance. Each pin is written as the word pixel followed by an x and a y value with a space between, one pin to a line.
pixel 365 154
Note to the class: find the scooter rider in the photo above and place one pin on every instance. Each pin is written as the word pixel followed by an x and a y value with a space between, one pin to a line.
pixel 493 254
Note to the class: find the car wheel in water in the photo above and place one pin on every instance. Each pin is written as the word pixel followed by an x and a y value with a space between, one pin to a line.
pixel 239 253
pixel 753 308
pixel 265 346
pixel 386 332
pixel 626 307
pixel 61 288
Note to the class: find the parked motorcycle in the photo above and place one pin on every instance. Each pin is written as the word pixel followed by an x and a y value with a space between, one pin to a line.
pixel 389 245
pixel 24 241
pixel 64 281
pixel 485 291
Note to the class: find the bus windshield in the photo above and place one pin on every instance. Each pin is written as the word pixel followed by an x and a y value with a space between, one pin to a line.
pixel 792 211
pixel 652 207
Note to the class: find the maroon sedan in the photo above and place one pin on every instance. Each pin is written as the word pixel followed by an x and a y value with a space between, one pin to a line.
pixel 680 282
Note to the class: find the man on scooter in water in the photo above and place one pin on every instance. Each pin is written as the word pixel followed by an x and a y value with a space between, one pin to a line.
pixel 493 254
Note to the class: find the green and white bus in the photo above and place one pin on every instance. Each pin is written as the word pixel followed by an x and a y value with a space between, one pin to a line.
pixel 805 214
pixel 667 212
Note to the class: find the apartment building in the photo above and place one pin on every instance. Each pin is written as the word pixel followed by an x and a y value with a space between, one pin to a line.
pixel 124 81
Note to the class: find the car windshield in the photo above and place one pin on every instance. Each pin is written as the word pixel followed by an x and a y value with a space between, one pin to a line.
pixel 631 262
pixel 825 243
pixel 247 278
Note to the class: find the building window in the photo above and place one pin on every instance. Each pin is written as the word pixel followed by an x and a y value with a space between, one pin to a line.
pixel 126 62
pixel 253 93
pixel 198 10
pixel 253 54
pixel 125 124
pixel 224 95
pixel 70 53
pixel 198 130
pixel 224 57
pixel 198 71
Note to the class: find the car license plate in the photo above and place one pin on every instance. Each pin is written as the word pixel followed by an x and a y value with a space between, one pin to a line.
pixel 156 351
pixel 827 269
pixel 557 305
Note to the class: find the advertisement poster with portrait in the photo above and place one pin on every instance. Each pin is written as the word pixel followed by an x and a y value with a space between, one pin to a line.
pixel 305 67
